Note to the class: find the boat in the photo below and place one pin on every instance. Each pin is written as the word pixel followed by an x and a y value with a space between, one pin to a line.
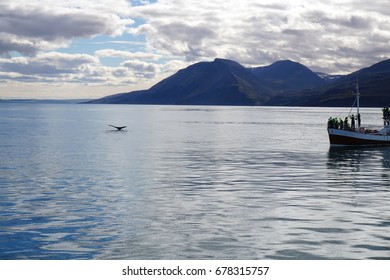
pixel 345 133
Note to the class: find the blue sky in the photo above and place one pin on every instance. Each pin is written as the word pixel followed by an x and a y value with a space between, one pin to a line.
pixel 89 49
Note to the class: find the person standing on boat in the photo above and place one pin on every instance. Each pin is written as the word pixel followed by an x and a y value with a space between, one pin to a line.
pixel 331 122
pixel 352 122
pixel 346 126
pixel 359 120
pixel 385 113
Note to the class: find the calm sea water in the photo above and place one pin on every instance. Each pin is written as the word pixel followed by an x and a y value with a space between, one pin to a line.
pixel 187 183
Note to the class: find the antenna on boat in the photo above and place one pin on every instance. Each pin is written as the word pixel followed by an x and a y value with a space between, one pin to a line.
pixel 357 101
pixel 357 97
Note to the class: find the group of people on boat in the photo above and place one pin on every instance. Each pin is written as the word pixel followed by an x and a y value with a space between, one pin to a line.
pixel 338 123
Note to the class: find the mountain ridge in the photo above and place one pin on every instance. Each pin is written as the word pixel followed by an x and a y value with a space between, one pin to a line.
pixel 283 83
pixel 374 85
pixel 220 82
pixel 288 76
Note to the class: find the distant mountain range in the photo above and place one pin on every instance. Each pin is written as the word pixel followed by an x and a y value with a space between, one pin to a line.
pixel 286 83
pixel 221 82
pixel 46 101
pixel 374 85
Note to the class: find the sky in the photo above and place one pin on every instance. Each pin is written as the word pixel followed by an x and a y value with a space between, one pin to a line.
pixel 60 49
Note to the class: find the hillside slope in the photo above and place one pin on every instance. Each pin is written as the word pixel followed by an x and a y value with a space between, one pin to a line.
pixel 374 84
pixel 220 82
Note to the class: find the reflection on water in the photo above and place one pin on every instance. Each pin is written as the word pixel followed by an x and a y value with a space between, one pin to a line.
pixel 360 176
pixel 187 183
pixel 359 158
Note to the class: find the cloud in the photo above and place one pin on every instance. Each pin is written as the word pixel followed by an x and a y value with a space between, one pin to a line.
pixel 52 63
pixel 127 55
pixel 36 26
pixel 185 40
pixel 141 68
pixel 10 43
pixel 56 67
pixel 260 33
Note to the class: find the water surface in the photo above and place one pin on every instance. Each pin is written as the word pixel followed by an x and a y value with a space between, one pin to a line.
pixel 186 182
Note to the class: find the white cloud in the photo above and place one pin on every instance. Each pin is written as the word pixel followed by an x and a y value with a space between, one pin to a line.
pixel 56 67
pixel 127 55
pixel 47 64
pixel 314 33
pixel 46 25
pixel 141 68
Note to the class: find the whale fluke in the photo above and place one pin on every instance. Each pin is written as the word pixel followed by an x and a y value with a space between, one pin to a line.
pixel 117 127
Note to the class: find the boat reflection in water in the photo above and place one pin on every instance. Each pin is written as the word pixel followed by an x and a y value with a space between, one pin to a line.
pixel 343 133
pixel 359 162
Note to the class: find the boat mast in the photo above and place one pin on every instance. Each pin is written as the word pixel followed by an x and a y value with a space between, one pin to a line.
pixel 357 99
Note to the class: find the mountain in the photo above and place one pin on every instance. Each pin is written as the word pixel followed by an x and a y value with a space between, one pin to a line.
pixel 287 76
pixel 374 85
pixel 283 83
pixel 45 101
pixel 220 82
pixel 223 82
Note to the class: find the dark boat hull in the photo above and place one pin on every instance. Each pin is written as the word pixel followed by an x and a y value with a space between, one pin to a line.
pixel 338 137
